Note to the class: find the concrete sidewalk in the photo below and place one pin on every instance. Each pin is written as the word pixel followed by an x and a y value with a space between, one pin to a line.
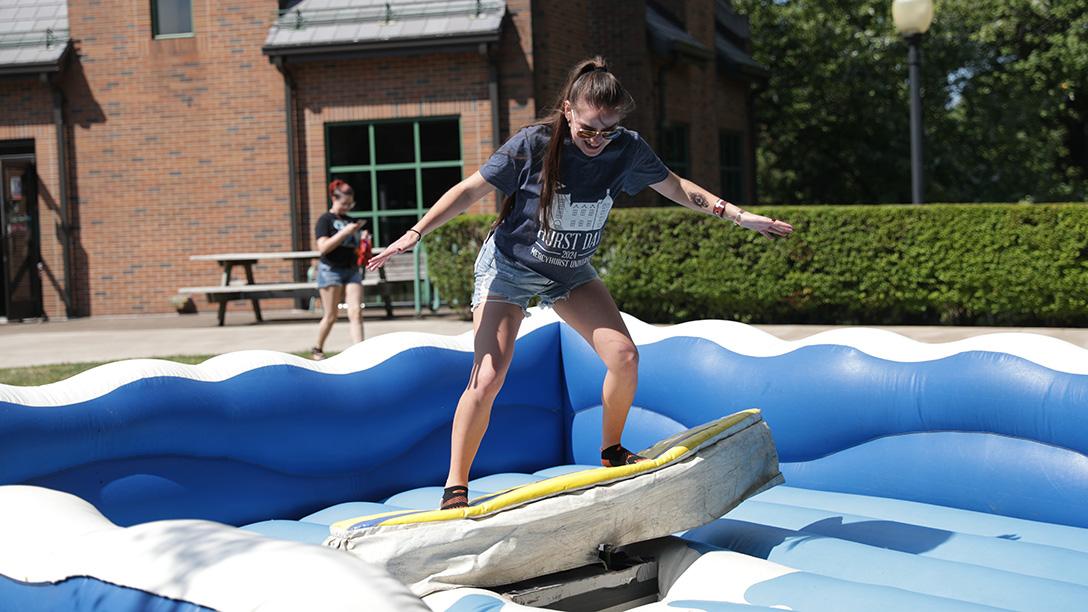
pixel 113 338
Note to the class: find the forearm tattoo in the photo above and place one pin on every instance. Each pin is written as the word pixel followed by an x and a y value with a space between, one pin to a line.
pixel 699 200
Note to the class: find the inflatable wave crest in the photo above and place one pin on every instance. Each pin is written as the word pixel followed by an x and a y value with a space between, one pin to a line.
pixel 949 476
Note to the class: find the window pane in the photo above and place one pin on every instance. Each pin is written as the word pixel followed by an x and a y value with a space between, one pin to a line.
pixel 731 165
pixel 397 190
pixel 731 186
pixel 729 149
pixel 391 228
pixel 436 181
pixel 676 148
pixel 440 140
pixel 349 145
pixel 360 183
pixel 394 143
pixel 173 17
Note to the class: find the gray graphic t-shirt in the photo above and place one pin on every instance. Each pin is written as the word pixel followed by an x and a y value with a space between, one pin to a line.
pixel 582 201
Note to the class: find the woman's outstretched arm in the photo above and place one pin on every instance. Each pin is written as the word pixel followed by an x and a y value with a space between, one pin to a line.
pixel 687 193
pixel 452 203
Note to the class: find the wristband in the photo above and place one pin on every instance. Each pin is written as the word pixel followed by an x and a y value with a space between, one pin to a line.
pixel 410 229
pixel 719 208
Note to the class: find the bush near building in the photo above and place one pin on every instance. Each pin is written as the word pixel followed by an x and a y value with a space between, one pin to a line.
pixel 978 264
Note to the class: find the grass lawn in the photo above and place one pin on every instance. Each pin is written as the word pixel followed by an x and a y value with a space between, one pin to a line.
pixel 42 375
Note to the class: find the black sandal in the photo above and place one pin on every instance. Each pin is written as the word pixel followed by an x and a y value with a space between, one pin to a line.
pixel 454 497
pixel 616 455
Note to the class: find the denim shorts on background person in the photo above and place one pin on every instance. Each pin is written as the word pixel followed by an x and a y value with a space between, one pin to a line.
pixel 329 276
pixel 501 279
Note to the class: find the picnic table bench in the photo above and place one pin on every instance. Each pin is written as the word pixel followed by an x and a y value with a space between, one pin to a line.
pixel 398 269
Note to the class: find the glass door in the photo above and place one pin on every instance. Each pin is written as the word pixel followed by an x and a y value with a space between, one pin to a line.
pixel 22 292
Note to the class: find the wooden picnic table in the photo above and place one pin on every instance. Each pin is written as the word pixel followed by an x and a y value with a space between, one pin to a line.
pixel 399 269
pixel 251 291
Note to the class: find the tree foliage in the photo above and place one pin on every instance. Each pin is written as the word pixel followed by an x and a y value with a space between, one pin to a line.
pixel 1005 99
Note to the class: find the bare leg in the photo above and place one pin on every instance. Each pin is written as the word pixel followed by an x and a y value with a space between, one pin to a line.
pixel 330 299
pixel 496 327
pixel 354 299
pixel 592 313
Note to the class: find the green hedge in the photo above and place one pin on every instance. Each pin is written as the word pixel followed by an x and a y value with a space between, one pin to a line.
pixel 451 254
pixel 959 264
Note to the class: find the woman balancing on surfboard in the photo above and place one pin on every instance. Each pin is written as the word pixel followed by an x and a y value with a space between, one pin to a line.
pixel 561 175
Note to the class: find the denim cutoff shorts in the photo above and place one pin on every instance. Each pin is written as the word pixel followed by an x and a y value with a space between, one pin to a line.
pixel 501 279
pixel 329 276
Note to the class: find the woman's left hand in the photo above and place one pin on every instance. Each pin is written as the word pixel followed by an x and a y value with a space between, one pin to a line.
pixel 404 243
pixel 768 227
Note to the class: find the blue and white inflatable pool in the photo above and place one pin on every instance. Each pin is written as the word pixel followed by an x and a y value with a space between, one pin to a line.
pixel 947 477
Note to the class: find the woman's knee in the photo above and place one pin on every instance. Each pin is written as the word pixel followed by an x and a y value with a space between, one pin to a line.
pixel 485 383
pixel 353 296
pixel 622 359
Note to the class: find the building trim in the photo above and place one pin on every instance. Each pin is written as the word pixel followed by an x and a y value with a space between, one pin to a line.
pixel 452 44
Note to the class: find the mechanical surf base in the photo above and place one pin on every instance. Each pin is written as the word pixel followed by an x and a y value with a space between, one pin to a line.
pixel 559 523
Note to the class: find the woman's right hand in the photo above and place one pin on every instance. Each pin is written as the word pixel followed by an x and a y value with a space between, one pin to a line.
pixel 404 243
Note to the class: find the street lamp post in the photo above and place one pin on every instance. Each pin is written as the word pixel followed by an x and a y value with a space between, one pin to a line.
pixel 912 19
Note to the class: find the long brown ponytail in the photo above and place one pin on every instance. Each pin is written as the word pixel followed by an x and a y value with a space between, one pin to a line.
pixel 590 82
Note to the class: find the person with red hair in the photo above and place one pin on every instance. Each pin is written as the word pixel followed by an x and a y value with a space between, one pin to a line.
pixel 339 278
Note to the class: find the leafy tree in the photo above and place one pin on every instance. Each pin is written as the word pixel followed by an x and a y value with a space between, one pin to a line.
pixel 1005 99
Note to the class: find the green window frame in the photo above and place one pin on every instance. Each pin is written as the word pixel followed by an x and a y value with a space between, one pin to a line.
pixel 178 12
pixel 371 201
pixel 398 168
pixel 731 165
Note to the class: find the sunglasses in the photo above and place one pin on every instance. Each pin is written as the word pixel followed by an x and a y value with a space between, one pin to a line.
pixel 608 134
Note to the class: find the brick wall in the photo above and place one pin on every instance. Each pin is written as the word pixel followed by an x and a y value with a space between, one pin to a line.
pixel 564 33
pixel 698 93
pixel 400 87
pixel 178 146
pixel 561 37
pixel 568 32
pixel 179 149
pixel 618 32
pixel 28 115
pixel 516 63
pixel 691 86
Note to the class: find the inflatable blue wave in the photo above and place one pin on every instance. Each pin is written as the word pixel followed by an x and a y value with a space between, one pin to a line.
pixel 955 473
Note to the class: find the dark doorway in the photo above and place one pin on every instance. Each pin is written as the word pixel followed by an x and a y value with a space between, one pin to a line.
pixel 20 286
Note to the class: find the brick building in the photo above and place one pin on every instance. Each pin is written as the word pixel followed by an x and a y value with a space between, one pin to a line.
pixel 135 133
